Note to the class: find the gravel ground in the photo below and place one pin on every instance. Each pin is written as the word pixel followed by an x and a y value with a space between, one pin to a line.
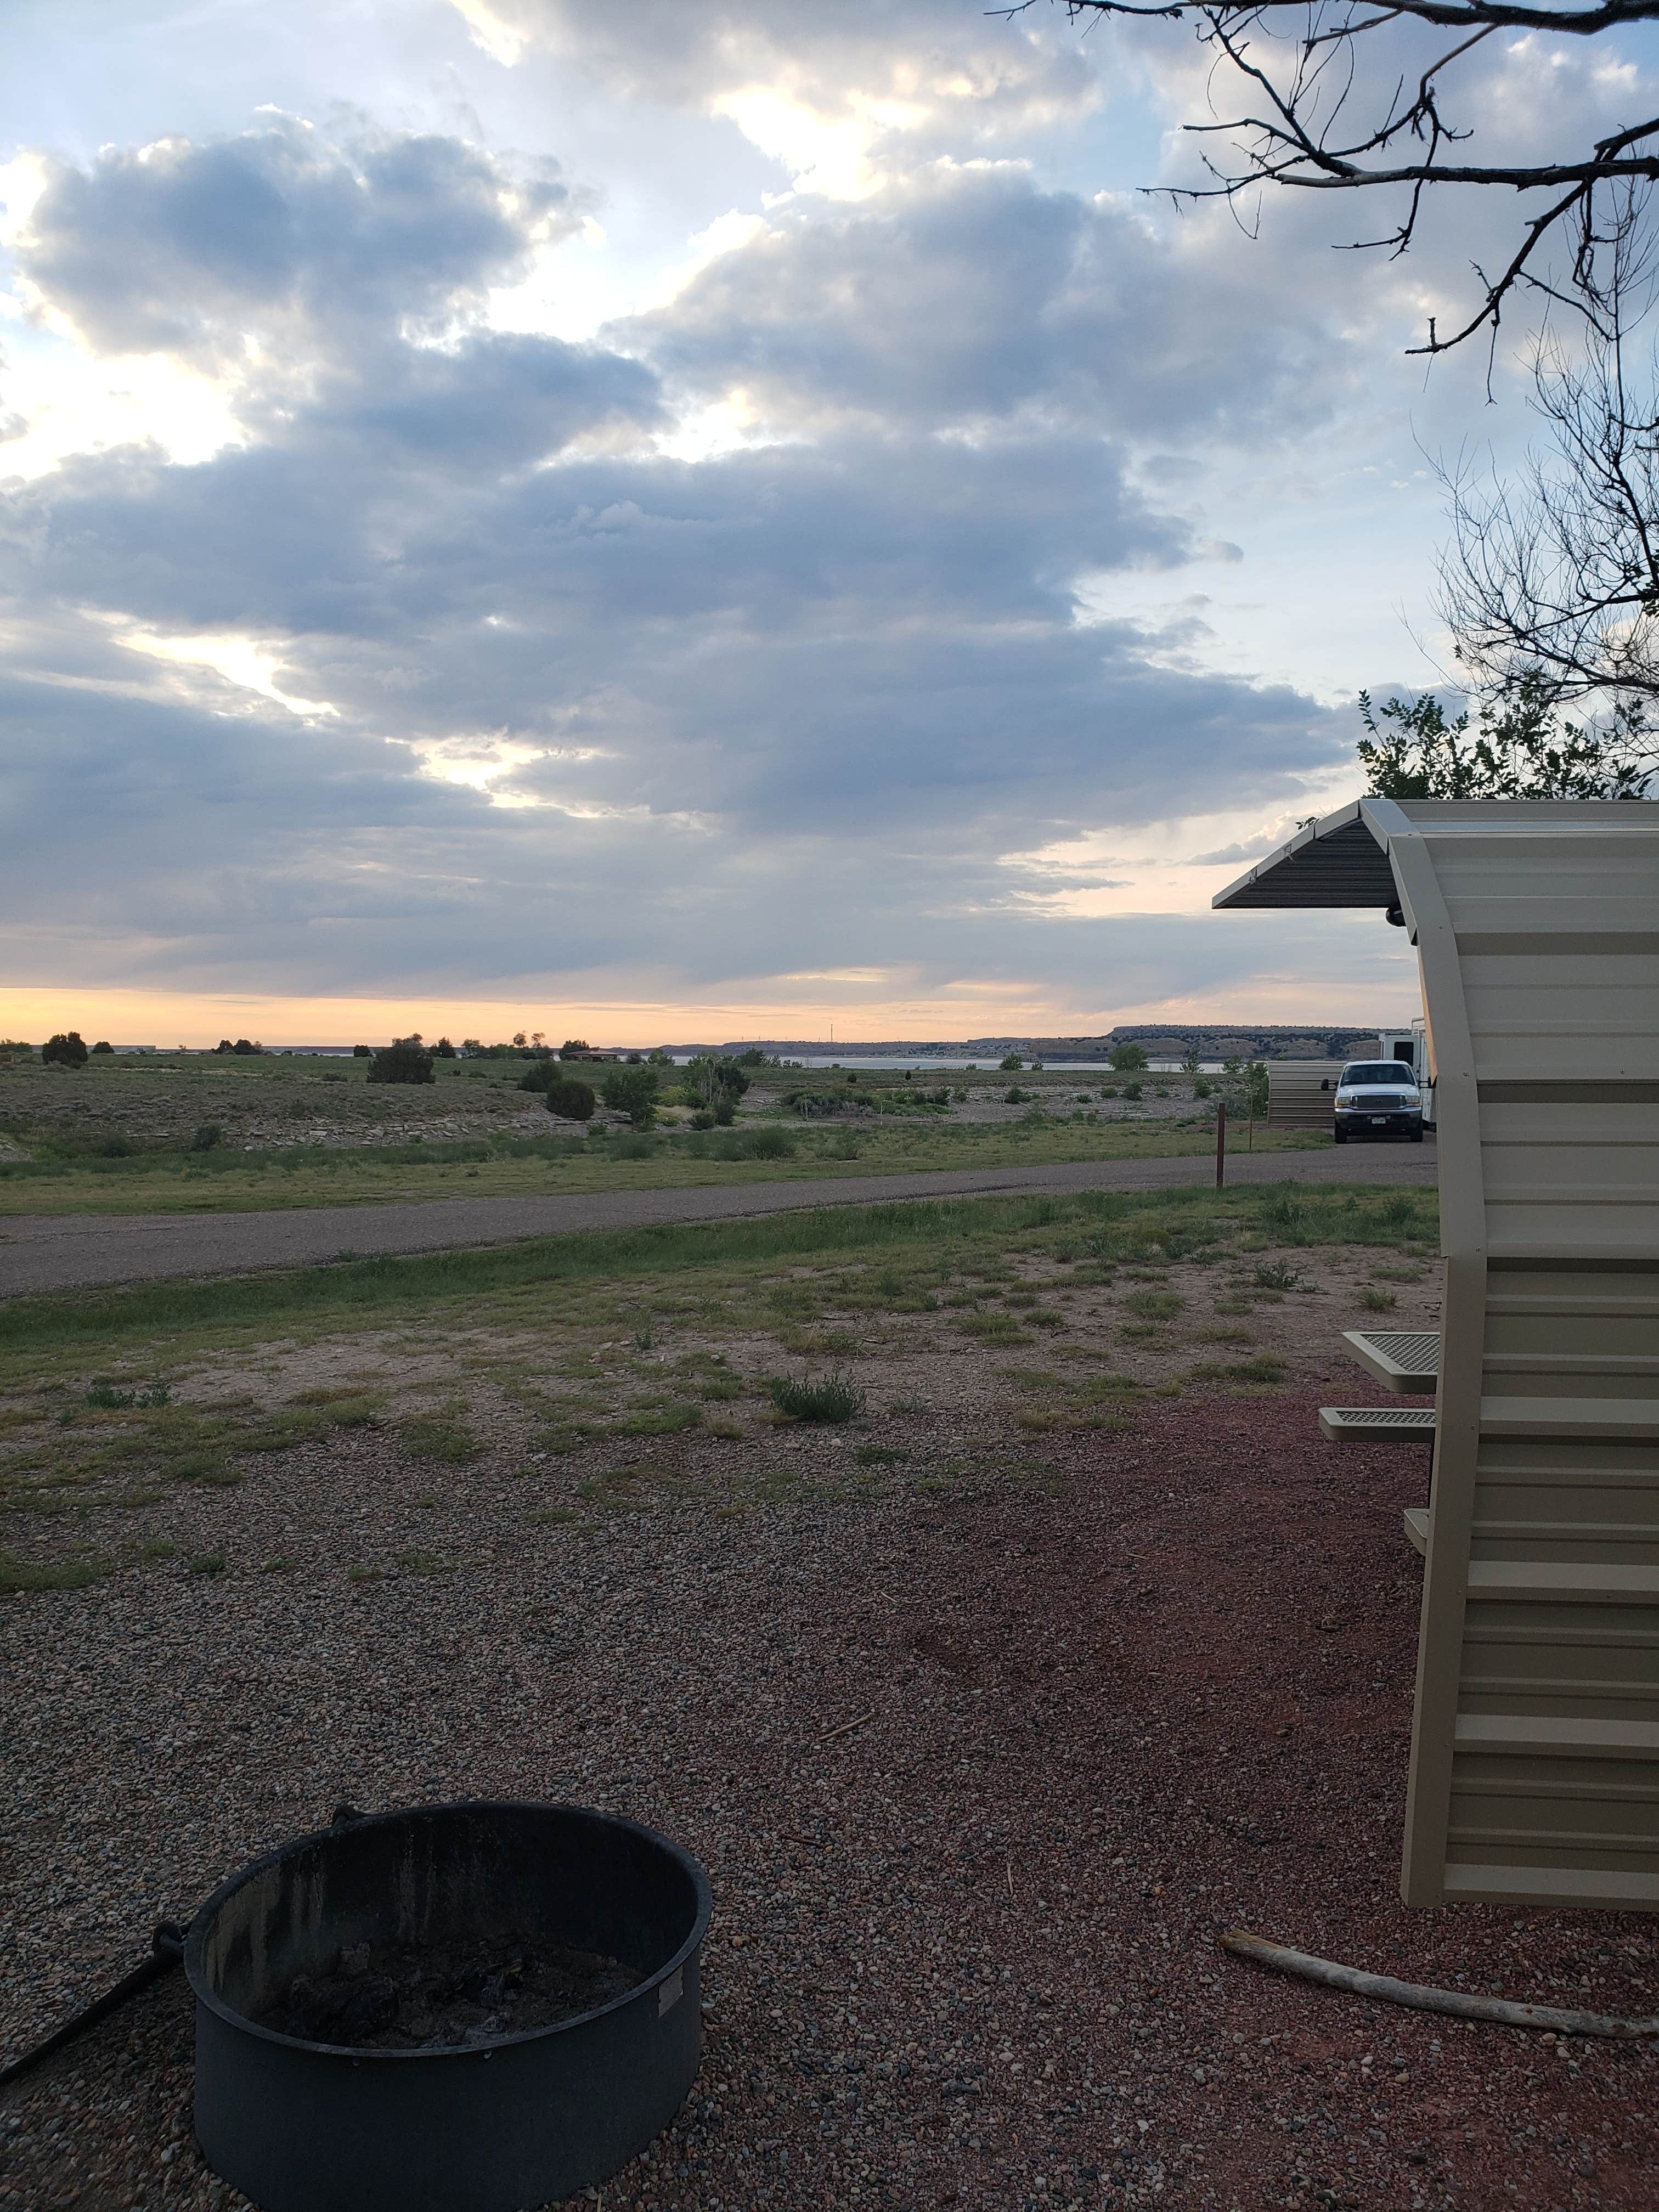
pixel 56 1252
pixel 979 1771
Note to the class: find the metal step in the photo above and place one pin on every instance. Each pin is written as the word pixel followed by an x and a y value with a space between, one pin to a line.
pixel 1417 1528
pixel 1378 1425
pixel 1406 1359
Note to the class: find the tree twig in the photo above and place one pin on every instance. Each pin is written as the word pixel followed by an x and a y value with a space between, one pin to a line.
pixel 1560 2020
pixel 846 1728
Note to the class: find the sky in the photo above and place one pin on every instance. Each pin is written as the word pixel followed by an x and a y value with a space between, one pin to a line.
pixel 666 523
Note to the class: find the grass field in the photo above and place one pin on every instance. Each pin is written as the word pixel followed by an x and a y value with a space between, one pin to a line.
pixel 116 1137
pixel 648 1362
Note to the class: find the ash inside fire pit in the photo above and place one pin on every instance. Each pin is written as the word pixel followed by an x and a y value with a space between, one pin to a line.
pixel 405 1996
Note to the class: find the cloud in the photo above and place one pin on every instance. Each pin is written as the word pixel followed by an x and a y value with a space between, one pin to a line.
pixel 194 249
pixel 835 95
pixel 561 701
pixel 970 297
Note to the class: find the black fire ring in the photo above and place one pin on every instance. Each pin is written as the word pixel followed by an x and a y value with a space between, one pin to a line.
pixel 444 1928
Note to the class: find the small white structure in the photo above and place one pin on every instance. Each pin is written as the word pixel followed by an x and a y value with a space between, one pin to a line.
pixel 1534 1764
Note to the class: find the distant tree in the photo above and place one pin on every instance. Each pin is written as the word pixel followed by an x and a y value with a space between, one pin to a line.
pixel 103 1045
pixel 1189 1062
pixel 660 1058
pixel 538 1037
pixel 1518 749
pixel 246 1048
pixel 633 1091
pixel 443 1050
pixel 360 1052
pixel 14 1049
pixel 519 1039
pixel 1256 1090
pixel 570 1100
pixel 224 1045
pixel 634 1059
pixel 66 1050
pixel 1010 1063
pixel 1130 1059
pixel 471 1048
pixel 574 1046
pixel 405 1060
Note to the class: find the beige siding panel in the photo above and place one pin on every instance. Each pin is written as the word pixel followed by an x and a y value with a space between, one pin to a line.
pixel 1534 1772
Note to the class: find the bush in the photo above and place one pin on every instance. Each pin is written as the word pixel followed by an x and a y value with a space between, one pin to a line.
pixel 207 1137
pixel 1130 1059
pixel 570 1100
pixel 1200 1088
pixel 225 1045
pixel 116 1148
pixel 103 1045
pixel 66 1050
pixel 405 1060
pixel 835 1398
pixel 633 1091
pixel 358 1051
pixel 1132 1091
pixel 725 1113
pixel 703 1119
pixel 1013 1096
pixel 1010 1064
pixel 443 1050
pixel 246 1048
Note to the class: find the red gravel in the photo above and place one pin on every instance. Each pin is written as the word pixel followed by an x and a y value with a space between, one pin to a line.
pixel 964 1952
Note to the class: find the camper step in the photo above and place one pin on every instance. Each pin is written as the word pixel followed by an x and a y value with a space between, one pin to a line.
pixel 1407 1359
pixel 1378 1425
pixel 1417 1528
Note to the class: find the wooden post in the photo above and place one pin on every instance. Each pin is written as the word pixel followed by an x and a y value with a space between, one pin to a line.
pixel 1220 1143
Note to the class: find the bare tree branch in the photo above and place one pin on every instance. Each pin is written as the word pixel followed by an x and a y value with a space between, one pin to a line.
pixel 1293 131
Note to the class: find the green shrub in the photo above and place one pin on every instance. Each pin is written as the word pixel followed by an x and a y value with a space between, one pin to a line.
pixel 835 1398
pixel 1200 1088
pixel 703 1119
pixel 1132 1091
pixel 766 1142
pixel 405 1060
pixel 1130 1059
pixel 633 1091
pixel 570 1100
pixel 1010 1064
pixel 638 1147
pixel 103 1045
pixel 358 1051
pixel 725 1113
pixel 1013 1096
pixel 66 1050
pixel 1276 1275
pixel 207 1137
pixel 116 1148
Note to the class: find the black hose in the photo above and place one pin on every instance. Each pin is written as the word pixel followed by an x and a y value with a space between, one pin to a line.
pixel 166 1950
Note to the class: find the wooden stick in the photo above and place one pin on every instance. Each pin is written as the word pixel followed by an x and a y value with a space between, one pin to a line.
pixel 847 1726
pixel 1558 2019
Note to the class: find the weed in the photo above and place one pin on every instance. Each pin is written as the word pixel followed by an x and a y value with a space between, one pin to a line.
pixel 278 1564
pixel 550 1516
pixel 154 1394
pixel 662 1420
pixel 158 1548
pixel 48 1575
pixel 364 1574
pixel 1154 1305
pixel 1266 1367
pixel 880 1455
pixel 1375 1299
pixel 834 1399
pixel 644 1338
pixel 439 1436
pixel 1276 1275
pixel 425 1562
pixel 205 1562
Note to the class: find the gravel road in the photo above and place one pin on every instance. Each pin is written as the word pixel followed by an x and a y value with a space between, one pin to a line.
pixel 77 1251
